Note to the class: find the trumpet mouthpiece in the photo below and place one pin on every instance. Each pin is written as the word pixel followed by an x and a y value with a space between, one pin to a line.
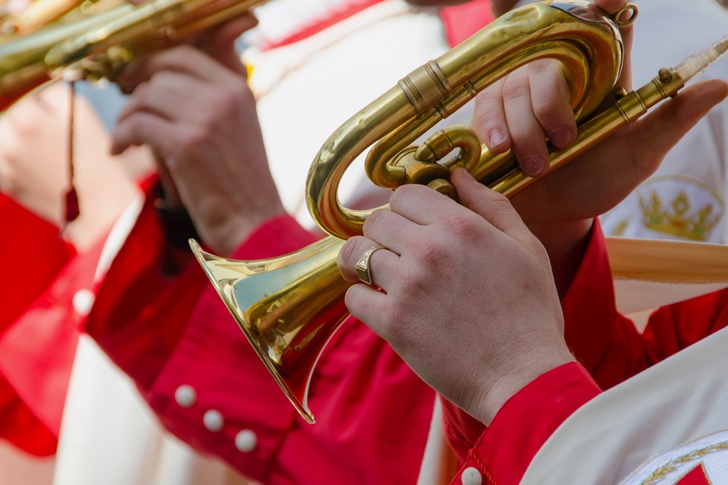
pixel 697 63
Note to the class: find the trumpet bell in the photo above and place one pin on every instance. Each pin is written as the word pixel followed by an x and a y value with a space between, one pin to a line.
pixel 288 307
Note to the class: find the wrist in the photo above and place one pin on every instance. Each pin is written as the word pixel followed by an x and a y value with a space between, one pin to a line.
pixel 518 376
pixel 566 243
pixel 228 235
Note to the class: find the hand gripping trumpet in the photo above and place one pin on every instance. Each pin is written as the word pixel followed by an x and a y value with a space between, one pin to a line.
pixel 97 46
pixel 289 306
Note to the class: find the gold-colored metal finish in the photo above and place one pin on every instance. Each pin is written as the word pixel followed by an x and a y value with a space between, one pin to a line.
pixel 501 173
pixel 38 14
pixel 363 270
pixel 98 46
pixel 289 306
pixel 586 41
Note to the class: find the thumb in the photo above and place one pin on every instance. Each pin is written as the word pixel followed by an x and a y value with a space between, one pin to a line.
pixel 489 204
pixel 220 41
pixel 227 33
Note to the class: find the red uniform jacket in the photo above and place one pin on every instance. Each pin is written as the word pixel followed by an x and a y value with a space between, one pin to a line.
pixel 176 339
pixel 36 348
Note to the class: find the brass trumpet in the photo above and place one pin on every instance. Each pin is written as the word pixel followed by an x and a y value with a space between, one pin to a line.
pixel 98 46
pixel 289 306
pixel 38 14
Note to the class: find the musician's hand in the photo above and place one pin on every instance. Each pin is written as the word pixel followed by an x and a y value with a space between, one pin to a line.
pixel 521 110
pixel 560 208
pixel 198 115
pixel 34 163
pixel 468 298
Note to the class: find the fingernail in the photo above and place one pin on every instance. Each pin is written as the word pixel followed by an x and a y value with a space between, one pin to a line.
pixel 560 137
pixel 533 165
pixel 496 138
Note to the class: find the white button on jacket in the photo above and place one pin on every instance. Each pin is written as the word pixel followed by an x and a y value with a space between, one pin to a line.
pixel 213 420
pixel 246 441
pixel 471 476
pixel 83 301
pixel 185 396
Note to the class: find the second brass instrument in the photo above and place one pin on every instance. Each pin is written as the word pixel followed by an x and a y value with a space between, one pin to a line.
pixel 98 46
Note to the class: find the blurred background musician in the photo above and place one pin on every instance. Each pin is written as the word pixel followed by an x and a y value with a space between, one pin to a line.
pixel 51 272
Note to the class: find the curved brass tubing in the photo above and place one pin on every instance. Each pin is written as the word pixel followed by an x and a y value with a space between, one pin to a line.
pixel 586 41
pixel 290 306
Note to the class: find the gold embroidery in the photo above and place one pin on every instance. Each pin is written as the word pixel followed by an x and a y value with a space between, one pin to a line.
pixel 621 227
pixel 678 220
pixel 662 472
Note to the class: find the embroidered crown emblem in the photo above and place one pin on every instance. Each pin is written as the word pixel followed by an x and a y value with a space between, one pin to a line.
pixel 677 219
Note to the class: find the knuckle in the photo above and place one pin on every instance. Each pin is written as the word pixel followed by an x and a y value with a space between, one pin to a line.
pixel 488 111
pixel 461 227
pixel 489 101
pixel 192 139
pixel 537 248
pixel 545 108
pixel 399 193
pixel 373 221
pixel 222 109
pixel 144 92
pixel 516 86
pixel 545 66
pixel 407 191
pixel 349 251
pixel 434 255
pixel 491 93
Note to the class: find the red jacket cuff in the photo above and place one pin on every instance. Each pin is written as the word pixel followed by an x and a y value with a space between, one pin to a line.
pixel 589 314
pixel 526 421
